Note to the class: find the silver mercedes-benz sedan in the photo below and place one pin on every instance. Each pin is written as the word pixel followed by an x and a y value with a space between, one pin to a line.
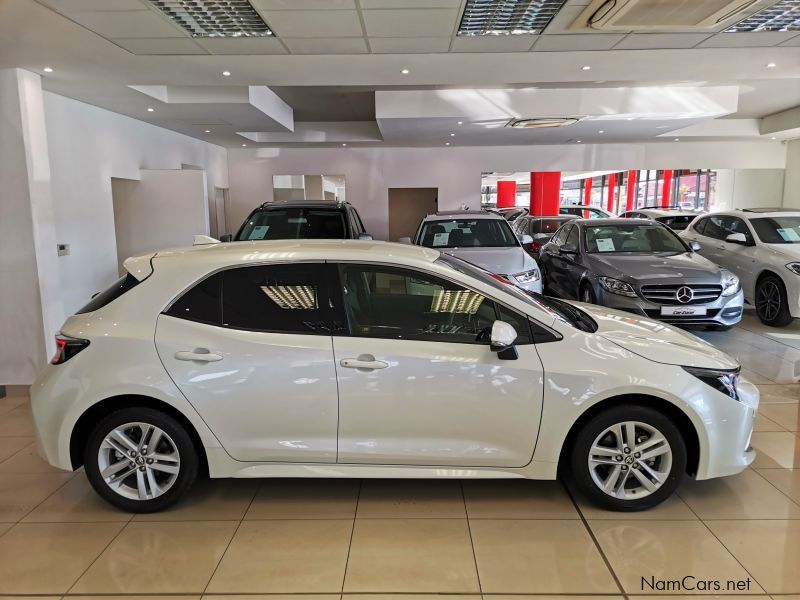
pixel 641 266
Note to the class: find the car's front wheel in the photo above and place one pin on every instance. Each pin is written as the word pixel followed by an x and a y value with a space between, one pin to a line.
pixel 140 460
pixel 772 305
pixel 628 458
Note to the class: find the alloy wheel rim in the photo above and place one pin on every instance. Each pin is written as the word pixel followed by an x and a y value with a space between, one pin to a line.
pixel 768 302
pixel 630 460
pixel 139 461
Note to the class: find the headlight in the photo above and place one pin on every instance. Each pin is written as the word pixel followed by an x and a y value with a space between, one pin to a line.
pixel 794 267
pixel 722 380
pixel 527 276
pixel 730 283
pixel 615 286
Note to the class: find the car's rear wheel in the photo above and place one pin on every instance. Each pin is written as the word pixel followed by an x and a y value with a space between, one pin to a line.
pixel 772 305
pixel 140 460
pixel 628 458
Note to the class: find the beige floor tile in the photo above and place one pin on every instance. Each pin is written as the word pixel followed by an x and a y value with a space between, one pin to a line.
pixel 284 557
pixel 264 597
pixel 148 597
pixel 786 480
pixel 538 557
pixel 517 499
pixel 418 597
pixel 411 498
pixel 5 527
pixel 158 558
pixel 548 597
pixel 785 415
pixel 210 500
pixel 706 597
pixel 776 450
pixel 76 502
pixel 665 551
pixel 27 460
pixel 9 446
pixel 765 424
pixel 17 422
pixel 769 550
pixel 779 394
pixel 672 509
pixel 11 402
pixel 411 555
pixel 743 496
pixel 47 558
pixel 21 492
pixel 305 499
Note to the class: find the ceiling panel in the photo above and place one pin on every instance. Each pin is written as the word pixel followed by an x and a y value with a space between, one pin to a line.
pixel 126 24
pixel 433 22
pixel 254 45
pixel 565 17
pixel 153 46
pixel 326 45
pixel 565 43
pixel 70 6
pixel 493 43
pixel 795 41
pixel 310 23
pixel 303 4
pixel 749 39
pixel 642 41
pixel 409 45
pixel 410 3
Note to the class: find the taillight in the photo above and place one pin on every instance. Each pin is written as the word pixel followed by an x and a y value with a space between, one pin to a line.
pixel 67 347
pixel 534 246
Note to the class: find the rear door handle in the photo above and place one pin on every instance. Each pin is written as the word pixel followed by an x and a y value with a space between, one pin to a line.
pixel 364 361
pixel 198 355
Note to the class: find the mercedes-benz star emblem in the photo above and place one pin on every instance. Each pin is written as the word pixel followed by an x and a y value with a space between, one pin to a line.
pixel 684 295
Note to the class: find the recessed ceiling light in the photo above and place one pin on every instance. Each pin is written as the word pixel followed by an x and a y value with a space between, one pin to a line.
pixel 507 17
pixel 601 131
pixel 150 109
pixel 542 122
pixel 208 131
pixel 677 140
pixel 461 122
pixel 452 135
pixel 48 69
pixel 404 71
pixel 226 73
pixel 586 68
pixel 771 65
pixel 773 138
pixel 447 143
pixel 630 118
pixel 579 141
pixel 344 144
pixel 215 19
pixel 244 145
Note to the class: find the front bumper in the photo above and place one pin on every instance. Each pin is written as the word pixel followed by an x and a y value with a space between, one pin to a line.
pixel 725 310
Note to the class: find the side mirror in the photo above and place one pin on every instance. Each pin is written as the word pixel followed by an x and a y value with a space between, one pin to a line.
pixel 695 246
pixel 404 240
pixel 737 238
pixel 526 239
pixel 364 236
pixel 568 249
pixel 502 340
pixel 226 238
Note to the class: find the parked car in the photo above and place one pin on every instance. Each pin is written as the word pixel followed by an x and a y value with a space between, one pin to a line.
pixel 541 229
pixel 353 359
pixel 303 219
pixel 640 266
pixel 512 213
pixel 762 246
pixel 583 211
pixel 676 219
pixel 485 239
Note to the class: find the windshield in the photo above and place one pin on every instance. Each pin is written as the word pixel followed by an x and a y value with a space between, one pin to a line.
pixel 642 238
pixel 678 222
pixel 294 223
pixel 559 309
pixel 777 230
pixel 465 233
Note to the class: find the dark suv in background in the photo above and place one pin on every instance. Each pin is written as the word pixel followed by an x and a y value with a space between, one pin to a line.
pixel 303 219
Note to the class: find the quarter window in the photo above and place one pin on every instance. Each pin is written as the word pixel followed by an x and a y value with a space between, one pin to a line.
pixel 700 226
pixel 573 238
pixel 202 303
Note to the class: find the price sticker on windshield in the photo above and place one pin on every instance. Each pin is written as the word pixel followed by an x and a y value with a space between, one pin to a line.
pixel 259 232
pixel 605 245
pixel 788 234
pixel 440 239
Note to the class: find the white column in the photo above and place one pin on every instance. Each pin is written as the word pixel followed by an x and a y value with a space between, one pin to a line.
pixel 30 306
pixel 791 184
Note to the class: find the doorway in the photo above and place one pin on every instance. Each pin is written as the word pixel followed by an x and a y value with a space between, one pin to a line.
pixel 407 207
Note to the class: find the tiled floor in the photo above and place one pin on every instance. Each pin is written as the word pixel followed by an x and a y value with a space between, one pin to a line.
pixel 381 540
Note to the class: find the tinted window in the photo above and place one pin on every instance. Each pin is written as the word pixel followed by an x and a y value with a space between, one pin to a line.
pixel 715 228
pixel 678 223
pixel 642 238
pixel 202 303
pixel 700 225
pixel 461 233
pixel 561 235
pixel 294 223
pixel 394 303
pixel 573 237
pixel 291 298
pixel 112 292
pixel 545 227
pixel 777 230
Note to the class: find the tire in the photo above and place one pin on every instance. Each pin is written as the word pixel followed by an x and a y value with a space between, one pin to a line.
pixel 587 294
pixel 134 485
pixel 669 466
pixel 772 305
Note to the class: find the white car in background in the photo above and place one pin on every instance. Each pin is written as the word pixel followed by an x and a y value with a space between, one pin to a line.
pixel 321 358
pixel 762 247
pixel 676 219
pixel 485 239
pixel 585 212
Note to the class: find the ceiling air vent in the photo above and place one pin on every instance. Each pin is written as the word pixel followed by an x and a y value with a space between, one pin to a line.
pixel 542 122
pixel 782 16
pixel 660 15
pixel 507 17
pixel 215 18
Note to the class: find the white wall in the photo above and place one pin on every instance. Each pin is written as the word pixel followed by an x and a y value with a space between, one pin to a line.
pixel 456 172
pixel 749 188
pixel 89 146
pixel 791 183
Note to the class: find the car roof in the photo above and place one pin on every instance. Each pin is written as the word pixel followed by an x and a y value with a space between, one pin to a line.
pixel 336 205
pixel 463 214
pixel 756 213
pixel 557 217
pixel 611 221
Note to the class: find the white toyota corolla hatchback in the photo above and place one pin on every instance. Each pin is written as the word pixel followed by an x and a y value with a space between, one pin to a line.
pixel 370 359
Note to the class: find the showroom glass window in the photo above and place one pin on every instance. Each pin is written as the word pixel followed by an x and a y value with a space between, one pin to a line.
pixel 396 303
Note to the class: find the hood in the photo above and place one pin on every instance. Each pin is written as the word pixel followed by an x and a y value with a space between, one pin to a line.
pixel 657 341
pixel 501 261
pixel 688 267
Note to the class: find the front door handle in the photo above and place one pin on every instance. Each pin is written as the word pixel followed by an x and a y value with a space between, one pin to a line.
pixel 366 362
pixel 198 355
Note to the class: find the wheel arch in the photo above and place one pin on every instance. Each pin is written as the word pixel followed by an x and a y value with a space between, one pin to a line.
pixel 98 411
pixel 679 417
